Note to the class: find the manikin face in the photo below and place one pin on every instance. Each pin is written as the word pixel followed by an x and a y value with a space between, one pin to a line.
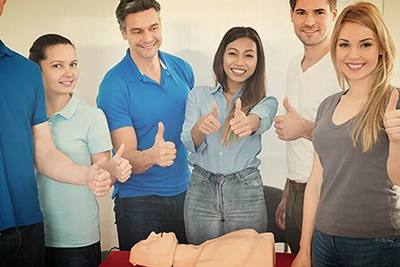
pixel 59 69
pixel 240 60
pixel 143 33
pixel 312 21
pixel 2 3
pixel 357 51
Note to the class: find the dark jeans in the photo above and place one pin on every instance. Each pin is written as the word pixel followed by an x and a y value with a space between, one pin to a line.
pixel 294 219
pixel 332 251
pixel 88 256
pixel 137 217
pixel 22 246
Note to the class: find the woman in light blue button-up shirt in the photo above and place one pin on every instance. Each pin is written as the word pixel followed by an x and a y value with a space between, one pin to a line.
pixel 222 130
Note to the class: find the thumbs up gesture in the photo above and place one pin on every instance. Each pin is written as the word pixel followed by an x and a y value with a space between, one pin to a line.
pixel 208 123
pixel 290 126
pixel 163 152
pixel 392 118
pixel 240 123
pixel 99 180
pixel 120 167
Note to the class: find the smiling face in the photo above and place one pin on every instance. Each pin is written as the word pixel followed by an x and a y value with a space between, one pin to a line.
pixel 239 62
pixel 312 21
pixel 59 69
pixel 357 51
pixel 143 33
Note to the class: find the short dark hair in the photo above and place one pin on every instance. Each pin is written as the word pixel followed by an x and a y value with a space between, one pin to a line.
pixel 332 4
pixel 126 7
pixel 37 52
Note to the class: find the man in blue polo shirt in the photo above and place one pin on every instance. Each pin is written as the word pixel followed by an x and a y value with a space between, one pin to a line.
pixel 144 98
pixel 25 138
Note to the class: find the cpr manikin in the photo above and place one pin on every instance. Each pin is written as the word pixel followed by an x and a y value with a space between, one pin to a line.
pixel 244 248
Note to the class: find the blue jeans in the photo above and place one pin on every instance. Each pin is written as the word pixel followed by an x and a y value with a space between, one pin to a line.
pixel 332 251
pixel 217 204
pixel 22 246
pixel 137 217
pixel 88 256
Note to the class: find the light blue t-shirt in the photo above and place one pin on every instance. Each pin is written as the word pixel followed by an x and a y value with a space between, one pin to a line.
pixel 70 211
pixel 213 156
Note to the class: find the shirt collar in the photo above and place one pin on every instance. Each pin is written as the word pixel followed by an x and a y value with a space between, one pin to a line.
pixel 218 87
pixel 70 108
pixel 4 50
pixel 131 70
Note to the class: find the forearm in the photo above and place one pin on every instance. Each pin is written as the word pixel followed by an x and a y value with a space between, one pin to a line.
pixel 197 136
pixel 393 162
pixel 286 189
pixel 308 128
pixel 141 160
pixel 311 200
pixel 59 167
pixel 255 122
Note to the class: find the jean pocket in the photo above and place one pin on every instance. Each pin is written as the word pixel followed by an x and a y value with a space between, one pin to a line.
pixel 196 179
pixel 252 180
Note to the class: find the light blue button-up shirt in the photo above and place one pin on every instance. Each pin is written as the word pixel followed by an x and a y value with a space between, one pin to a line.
pixel 211 154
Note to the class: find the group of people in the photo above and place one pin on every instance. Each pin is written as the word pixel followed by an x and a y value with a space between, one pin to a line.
pixel 338 101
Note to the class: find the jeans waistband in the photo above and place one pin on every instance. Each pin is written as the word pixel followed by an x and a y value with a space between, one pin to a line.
pixel 234 175
pixel 297 187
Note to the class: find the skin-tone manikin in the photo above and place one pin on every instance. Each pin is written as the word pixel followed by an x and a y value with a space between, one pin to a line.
pixel 245 248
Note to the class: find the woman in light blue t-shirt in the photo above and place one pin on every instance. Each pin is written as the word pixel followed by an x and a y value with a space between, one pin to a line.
pixel 71 220
pixel 222 130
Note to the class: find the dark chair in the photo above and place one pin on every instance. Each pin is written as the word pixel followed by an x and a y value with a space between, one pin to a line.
pixel 272 197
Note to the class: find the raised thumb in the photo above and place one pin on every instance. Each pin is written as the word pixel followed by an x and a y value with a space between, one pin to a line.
pixel 394 97
pixel 160 132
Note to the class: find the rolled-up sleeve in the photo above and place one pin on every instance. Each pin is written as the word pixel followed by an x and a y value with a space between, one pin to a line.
pixel 266 110
pixel 192 115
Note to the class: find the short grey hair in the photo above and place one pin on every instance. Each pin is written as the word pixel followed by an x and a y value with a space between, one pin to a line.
pixel 126 7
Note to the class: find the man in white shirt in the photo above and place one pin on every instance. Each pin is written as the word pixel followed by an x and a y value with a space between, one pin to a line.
pixel 310 79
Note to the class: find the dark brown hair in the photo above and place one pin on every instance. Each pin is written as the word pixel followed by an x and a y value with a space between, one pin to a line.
pixel 254 88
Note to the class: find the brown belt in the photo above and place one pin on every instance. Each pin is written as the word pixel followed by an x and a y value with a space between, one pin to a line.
pixel 297 187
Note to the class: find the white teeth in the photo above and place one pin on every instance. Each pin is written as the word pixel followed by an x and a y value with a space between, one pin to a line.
pixel 355 66
pixel 66 83
pixel 238 71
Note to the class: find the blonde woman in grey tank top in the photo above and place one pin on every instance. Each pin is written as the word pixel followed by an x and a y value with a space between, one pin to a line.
pixel 352 207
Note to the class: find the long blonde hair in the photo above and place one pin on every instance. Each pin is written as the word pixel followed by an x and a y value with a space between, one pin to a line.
pixel 369 121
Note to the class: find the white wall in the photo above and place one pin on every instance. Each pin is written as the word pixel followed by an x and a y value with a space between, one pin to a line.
pixel 191 29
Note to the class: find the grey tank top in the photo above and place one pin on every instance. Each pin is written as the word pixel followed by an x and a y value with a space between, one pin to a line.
pixel 357 197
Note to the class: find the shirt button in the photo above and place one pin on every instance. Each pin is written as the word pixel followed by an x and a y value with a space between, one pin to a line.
pixel 220 153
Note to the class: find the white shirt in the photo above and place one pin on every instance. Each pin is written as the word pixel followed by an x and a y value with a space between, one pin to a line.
pixel 305 91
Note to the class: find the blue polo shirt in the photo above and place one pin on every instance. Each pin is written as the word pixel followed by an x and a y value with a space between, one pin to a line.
pixel 131 99
pixel 22 106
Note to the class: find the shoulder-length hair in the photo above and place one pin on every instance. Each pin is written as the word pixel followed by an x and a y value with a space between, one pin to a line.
pixel 369 121
pixel 254 88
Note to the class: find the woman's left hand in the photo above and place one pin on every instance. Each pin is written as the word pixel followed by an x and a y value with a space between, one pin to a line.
pixel 240 124
pixel 392 118
pixel 120 167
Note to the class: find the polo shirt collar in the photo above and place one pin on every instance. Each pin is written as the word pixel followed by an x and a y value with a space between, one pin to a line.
pixel 132 72
pixel 70 108
pixel 4 50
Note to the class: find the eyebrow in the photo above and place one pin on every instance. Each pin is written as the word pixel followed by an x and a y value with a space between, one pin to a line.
pixel 60 61
pixel 363 40
pixel 152 25
pixel 248 50
pixel 315 10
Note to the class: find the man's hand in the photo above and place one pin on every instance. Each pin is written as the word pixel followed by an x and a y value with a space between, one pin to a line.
pixel 292 126
pixel 162 153
pixel 392 118
pixel 280 214
pixel 302 259
pixel 120 167
pixel 240 123
pixel 99 180
pixel 208 123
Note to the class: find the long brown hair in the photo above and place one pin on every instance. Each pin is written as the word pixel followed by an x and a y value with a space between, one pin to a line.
pixel 254 89
pixel 369 120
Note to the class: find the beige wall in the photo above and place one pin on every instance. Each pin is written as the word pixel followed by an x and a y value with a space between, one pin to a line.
pixel 191 29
